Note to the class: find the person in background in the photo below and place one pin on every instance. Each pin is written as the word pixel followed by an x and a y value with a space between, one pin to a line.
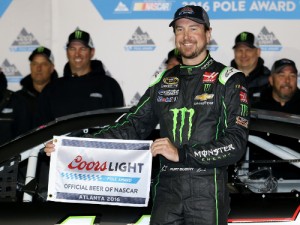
pixel 283 95
pixel 42 72
pixel 13 113
pixel 173 59
pixel 247 58
pixel 84 86
pixel 202 110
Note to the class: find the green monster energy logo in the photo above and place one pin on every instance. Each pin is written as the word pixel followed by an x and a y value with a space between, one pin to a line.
pixel 206 87
pixel 78 34
pixel 40 49
pixel 243 36
pixel 183 112
pixel 244 111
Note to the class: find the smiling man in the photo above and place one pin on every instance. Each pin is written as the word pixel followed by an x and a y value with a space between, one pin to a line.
pixel 283 95
pixel 247 58
pixel 84 86
pixel 202 109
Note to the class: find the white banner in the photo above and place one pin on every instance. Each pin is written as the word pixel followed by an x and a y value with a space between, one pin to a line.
pixel 100 171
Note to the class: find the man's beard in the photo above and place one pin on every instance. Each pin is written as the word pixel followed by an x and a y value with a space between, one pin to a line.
pixel 194 54
pixel 286 96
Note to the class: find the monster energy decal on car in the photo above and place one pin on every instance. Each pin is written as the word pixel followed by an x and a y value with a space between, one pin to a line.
pixel 182 113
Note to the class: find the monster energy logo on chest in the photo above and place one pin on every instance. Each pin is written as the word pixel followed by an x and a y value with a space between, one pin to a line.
pixel 244 110
pixel 181 113
pixel 206 87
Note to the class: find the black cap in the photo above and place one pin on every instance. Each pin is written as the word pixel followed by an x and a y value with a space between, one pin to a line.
pixel 41 50
pixel 192 12
pixel 173 54
pixel 82 36
pixel 281 63
pixel 246 38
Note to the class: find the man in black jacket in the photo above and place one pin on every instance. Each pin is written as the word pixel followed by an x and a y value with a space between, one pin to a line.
pixel 202 109
pixel 283 95
pixel 42 72
pixel 247 59
pixel 13 113
pixel 84 86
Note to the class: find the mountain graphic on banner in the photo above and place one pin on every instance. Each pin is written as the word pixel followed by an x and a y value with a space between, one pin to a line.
pixel 25 38
pixel 121 7
pixel 139 37
pixel 212 45
pixel 25 42
pixel 268 41
pixel 140 41
pixel 10 70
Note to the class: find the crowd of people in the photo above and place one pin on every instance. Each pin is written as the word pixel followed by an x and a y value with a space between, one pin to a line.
pixel 47 96
pixel 44 96
pixel 213 95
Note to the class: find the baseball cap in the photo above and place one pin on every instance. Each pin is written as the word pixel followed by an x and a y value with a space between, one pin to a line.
pixel 192 12
pixel 246 38
pixel 41 50
pixel 281 63
pixel 82 36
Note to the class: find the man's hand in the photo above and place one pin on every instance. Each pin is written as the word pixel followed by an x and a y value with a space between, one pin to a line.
pixel 49 148
pixel 164 146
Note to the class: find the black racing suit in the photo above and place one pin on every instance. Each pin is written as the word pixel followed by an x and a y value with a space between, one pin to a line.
pixel 204 111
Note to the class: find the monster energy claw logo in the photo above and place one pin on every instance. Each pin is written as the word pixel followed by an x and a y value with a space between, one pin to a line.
pixel 78 34
pixel 40 49
pixel 243 36
pixel 206 87
pixel 183 112
pixel 244 111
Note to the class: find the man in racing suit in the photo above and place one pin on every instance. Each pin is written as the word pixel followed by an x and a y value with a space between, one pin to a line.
pixel 202 110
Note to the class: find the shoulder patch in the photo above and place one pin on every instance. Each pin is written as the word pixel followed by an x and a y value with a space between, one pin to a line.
pixel 156 78
pixel 226 73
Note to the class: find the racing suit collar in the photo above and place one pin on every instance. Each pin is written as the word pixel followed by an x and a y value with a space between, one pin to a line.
pixel 196 69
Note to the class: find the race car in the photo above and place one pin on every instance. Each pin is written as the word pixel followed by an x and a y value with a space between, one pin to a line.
pixel 264 185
